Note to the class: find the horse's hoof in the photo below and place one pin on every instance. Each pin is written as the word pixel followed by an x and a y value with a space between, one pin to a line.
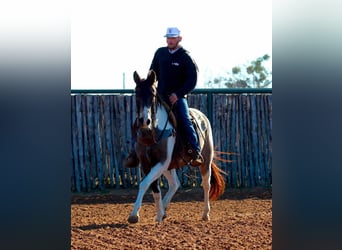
pixel 133 219
pixel 160 218
pixel 206 218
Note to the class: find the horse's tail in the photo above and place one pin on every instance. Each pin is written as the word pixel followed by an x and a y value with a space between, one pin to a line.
pixel 217 182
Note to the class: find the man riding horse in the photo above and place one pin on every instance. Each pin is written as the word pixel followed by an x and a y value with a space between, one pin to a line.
pixel 176 74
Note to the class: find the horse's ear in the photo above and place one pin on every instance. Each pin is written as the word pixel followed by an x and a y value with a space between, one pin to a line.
pixel 152 76
pixel 136 77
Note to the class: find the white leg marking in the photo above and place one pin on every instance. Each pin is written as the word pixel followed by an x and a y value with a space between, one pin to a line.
pixel 206 189
pixel 174 183
pixel 154 174
pixel 159 207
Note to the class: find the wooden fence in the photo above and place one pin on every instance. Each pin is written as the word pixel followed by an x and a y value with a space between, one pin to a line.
pixel 101 137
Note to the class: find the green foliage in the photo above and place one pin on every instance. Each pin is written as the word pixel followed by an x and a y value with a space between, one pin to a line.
pixel 251 75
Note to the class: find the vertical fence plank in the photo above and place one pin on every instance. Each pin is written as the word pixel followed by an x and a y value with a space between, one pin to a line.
pixel 105 167
pixel 233 143
pixel 217 122
pixel 246 128
pixel 85 144
pixel 117 146
pixel 262 140
pixel 126 143
pixel 222 138
pixel 258 141
pixel 235 129
pixel 75 145
pixel 98 144
pixel 269 136
pixel 116 142
pixel 255 145
pixel 249 148
pixel 121 129
pixel 242 140
pixel 251 164
pixel 80 141
pixel 266 141
pixel 109 144
pixel 90 131
pixel 230 148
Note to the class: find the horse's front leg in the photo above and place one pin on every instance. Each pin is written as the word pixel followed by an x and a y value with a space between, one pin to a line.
pixel 153 175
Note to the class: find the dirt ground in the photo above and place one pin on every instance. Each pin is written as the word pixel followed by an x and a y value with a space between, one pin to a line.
pixel 240 219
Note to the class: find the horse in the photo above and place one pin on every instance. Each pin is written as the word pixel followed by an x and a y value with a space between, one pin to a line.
pixel 155 127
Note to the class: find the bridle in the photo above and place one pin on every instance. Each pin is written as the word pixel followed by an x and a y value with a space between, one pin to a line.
pixel 147 101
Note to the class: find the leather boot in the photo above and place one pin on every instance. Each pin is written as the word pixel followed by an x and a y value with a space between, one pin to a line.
pixel 197 158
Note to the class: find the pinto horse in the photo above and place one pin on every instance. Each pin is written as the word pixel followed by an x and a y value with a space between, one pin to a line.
pixel 155 147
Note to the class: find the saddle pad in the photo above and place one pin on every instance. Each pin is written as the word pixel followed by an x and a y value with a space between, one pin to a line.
pixel 198 122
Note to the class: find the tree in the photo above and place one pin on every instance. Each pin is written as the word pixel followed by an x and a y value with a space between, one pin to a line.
pixel 251 75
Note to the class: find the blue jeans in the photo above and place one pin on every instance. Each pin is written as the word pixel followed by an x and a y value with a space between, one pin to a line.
pixel 181 110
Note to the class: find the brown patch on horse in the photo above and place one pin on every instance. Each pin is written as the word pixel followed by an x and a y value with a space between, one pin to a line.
pixel 150 156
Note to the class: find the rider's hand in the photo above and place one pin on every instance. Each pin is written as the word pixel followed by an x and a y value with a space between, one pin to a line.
pixel 173 98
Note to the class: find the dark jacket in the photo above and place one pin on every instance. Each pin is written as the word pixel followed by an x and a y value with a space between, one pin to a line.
pixel 176 72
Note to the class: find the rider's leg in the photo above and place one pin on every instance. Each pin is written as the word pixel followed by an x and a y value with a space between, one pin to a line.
pixel 183 117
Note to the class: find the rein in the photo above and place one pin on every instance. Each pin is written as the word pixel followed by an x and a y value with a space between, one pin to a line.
pixel 169 110
pixel 162 133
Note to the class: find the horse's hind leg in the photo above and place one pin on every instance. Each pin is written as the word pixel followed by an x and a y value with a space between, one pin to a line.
pixel 173 181
pixel 158 201
pixel 206 188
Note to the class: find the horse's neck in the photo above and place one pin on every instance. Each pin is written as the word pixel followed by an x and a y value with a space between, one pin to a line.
pixel 162 117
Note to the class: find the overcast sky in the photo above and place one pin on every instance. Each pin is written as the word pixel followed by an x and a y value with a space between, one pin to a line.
pixel 112 38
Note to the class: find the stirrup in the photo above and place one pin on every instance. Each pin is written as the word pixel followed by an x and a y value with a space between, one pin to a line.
pixel 197 158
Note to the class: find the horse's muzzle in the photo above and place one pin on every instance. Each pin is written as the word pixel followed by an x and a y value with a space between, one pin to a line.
pixel 144 123
pixel 145 136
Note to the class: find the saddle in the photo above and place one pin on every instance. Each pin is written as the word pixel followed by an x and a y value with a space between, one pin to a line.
pixel 180 156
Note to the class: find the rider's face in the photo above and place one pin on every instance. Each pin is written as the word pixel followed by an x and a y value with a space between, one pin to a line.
pixel 172 42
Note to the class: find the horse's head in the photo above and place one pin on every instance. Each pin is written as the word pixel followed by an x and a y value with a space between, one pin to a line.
pixel 146 101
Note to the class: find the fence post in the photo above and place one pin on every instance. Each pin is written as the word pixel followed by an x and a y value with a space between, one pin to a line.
pixel 210 106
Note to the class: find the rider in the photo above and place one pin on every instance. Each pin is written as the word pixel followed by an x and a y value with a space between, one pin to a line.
pixel 177 76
